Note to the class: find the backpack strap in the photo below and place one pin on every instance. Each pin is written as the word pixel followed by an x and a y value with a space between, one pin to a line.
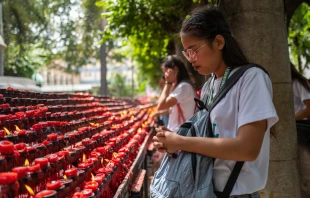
pixel 180 114
pixel 231 181
pixel 231 81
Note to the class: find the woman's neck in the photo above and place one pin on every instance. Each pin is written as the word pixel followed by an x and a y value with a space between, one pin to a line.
pixel 219 72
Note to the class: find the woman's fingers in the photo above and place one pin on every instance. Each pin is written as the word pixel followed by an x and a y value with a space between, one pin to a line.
pixel 155 139
pixel 160 134
pixel 164 128
pixel 158 145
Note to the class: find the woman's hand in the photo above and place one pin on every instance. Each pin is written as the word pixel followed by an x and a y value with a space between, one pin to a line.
pixel 165 140
pixel 170 75
pixel 155 114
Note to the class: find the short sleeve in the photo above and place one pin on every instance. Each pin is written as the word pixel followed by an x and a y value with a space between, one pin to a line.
pixel 302 92
pixel 255 102
pixel 182 92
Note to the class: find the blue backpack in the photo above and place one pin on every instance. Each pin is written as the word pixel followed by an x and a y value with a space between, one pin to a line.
pixel 189 175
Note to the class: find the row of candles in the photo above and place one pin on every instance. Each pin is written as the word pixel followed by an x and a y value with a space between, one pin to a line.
pixel 111 143
pixel 67 145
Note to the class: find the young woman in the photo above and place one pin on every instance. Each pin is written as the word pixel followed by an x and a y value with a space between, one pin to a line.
pixel 178 93
pixel 301 91
pixel 241 121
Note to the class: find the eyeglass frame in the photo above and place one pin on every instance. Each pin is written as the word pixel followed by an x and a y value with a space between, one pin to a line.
pixel 185 54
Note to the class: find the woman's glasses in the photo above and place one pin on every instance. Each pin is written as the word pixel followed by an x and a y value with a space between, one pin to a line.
pixel 190 54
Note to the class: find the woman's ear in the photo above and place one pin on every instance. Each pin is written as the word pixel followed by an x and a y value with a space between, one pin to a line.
pixel 220 42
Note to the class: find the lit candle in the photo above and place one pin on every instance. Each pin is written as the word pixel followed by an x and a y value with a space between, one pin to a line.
pixel 21 171
pixel 53 185
pixel 72 172
pixel 93 185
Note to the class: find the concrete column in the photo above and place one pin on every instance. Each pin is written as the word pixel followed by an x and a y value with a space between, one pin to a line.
pixel 260 29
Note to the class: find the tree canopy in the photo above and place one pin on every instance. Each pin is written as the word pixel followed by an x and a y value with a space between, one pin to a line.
pixel 150 27
pixel 299 37
pixel 37 31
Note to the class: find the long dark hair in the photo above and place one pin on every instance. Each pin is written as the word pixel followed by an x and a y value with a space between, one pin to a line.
pixel 297 76
pixel 172 61
pixel 206 23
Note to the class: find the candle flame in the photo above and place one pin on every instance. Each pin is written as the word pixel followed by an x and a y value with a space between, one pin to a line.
pixel 7 131
pixel 26 163
pixel 92 177
pixel 94 124
pixel 29 189
pixel 132 117
pixel 102 161
pixel 65 177
pixel 115 154
pixel 113 125
pixel 17 128
pixel 107 160
pixel 84 157
pixel 139 130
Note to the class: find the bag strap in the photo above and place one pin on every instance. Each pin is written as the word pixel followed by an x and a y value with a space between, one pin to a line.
pixel 180 114
pixel 231 81
pixel 231 181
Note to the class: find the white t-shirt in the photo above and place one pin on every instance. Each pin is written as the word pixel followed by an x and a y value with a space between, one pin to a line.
pixel 184 93
pixel 300 94
pixel 249 100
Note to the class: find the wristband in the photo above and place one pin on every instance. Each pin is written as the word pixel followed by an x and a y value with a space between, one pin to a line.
pixel 169 83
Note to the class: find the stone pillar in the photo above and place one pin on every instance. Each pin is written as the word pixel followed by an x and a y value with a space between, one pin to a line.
pixel 260 29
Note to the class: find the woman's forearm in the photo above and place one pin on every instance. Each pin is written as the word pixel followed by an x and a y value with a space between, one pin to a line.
pixel 302 114
pixel 162 99
pixel 221 148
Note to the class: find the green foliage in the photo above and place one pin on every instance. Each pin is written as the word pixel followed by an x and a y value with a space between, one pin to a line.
pixel 148 26
pixel 299 37
pixel 25 64
pixel 119 88
pixel 66 29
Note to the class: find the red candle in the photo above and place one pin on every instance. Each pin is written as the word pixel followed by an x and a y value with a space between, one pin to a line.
pixel 98 179
pixel 21 171
pixel 83 165
pixel 95 154
pixel 86 141
pixel 72 172
pixel 42 161
pixel 101 150
pixel 53 185
pixel 60 155
pixel 20 115
pixel 7 178
pixel 21 147
pixel 6 147
pixel 79 195
pixel 87 192
pixel 52 137
pixel 46 193
pixel 34 168
pixel 30 148
pixel 52 158
pixel 66 153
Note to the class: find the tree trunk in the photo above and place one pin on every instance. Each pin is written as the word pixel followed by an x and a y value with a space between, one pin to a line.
pixel 103 63
pixel 260 29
